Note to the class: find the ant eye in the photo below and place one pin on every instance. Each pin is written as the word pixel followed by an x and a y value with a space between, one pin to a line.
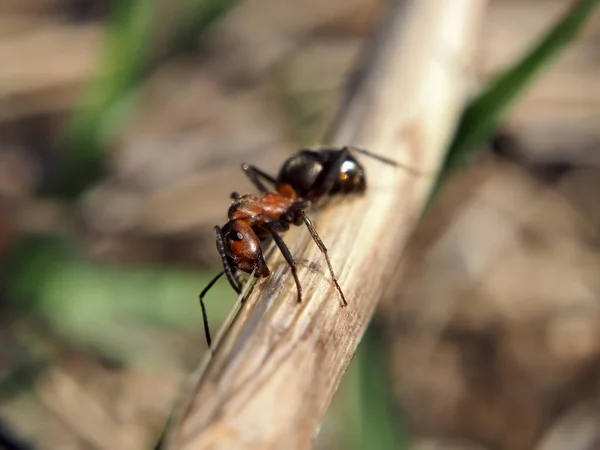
pixel 236 236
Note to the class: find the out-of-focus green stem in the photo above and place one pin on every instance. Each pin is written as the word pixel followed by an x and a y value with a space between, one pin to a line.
pixel 381 425
pixel 109 100
pixel 92 126
pixel 84 300
pixel 484 113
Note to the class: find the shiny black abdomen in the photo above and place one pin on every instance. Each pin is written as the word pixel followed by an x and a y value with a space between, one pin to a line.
pixel 307 172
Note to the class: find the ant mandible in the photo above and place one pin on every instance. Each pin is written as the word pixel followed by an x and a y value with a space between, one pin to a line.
pixel 305 179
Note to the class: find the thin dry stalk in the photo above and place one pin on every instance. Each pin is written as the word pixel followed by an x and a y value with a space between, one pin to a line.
pixel 276 370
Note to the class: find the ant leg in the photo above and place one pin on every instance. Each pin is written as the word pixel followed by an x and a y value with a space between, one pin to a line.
pixel 226 267
pixel 281 226
pixel 255 174
pixel 204 315
pixel 319 242
pixel 385 160
pixel 271 227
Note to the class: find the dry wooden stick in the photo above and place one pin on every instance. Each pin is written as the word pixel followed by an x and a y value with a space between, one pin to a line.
pixel 276 370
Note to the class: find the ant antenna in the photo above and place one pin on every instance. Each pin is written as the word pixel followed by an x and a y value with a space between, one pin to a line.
pixel 379 158
pixel 385 160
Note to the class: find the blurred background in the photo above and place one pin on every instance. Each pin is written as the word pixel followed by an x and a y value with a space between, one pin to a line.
pixel 122 128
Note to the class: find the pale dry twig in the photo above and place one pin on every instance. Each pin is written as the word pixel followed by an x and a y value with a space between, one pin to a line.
pixel 276 370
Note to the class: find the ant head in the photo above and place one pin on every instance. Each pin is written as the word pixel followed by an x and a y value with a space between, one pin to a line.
pixel 243 246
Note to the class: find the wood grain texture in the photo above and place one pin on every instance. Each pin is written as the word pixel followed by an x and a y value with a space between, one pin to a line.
pixel 277 368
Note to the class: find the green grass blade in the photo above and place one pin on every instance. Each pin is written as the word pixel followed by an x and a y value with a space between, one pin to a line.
pixel 126 55
pixel 484 114
pixel 92 302
pixel 196 17
pixel 110 98
pixel 381 425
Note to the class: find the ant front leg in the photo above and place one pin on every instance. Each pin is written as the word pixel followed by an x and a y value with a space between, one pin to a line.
pixel 204 315
pixel 255 175
pixel 273 228
pixel 238 278
pixel 226 267
pixel 300 214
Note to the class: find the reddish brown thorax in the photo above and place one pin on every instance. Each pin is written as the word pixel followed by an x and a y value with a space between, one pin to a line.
pixel 246 212
pixel 256 210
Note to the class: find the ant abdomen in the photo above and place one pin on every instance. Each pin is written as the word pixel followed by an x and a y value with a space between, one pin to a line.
pixel 314 174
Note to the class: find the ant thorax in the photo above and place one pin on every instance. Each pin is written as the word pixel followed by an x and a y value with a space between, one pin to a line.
pixel 255 210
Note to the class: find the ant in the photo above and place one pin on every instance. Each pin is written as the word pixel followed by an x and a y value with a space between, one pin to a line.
pixel 307 178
